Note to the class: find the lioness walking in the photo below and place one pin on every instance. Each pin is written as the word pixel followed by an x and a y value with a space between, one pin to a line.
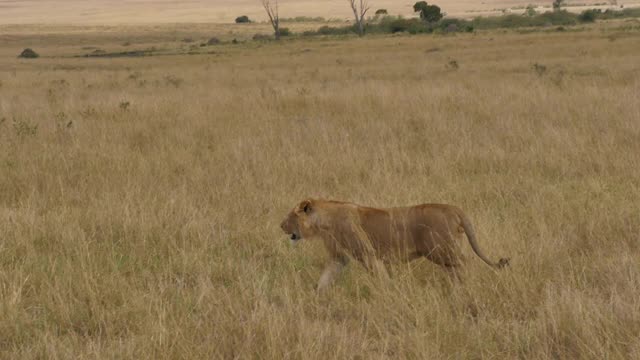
pixel 370 235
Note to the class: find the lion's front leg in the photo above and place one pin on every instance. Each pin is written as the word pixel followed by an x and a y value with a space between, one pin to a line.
pixel 331 272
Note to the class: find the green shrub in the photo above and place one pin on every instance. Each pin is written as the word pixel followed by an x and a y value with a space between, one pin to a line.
pixel 262 37
pixel 24 128
pixel 242 19
pixel 285 32
pixel 454 25
pixel 589 15
pixel 560 17
pixel 28 54
pixel 330 30
pixel 412 26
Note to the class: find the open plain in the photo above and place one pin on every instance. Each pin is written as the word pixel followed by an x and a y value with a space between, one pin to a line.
pixel 140 196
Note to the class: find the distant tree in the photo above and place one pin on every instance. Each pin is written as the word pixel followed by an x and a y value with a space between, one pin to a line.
pixel 359 8
pixel 417 7
pixel 382 12
pixel 428 13
pixel 557 4
pixel 242 19
pixel 274 16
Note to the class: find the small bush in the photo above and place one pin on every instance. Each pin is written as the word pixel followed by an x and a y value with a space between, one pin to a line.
pixel 400 25
pixel 28 54
pixel 173 80
pixel 382 12
pixel 213 41
pixel 589 15
pixel 329 30
pixel 285 32
pixel 451 25
pixel 242 19
pixel 539 69
pixel 412 26
pixel 24 128
pixel 452 65
pixel 262 37
pixel 625 13
pixel 560 17
pixel 451 28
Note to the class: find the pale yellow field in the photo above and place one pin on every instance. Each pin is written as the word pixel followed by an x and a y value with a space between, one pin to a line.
pixel 140 197
pixel 225 11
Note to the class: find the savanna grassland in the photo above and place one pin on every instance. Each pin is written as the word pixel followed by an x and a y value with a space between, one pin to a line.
pixel 140 197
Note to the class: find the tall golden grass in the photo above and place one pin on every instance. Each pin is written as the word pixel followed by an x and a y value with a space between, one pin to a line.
pixel 140 198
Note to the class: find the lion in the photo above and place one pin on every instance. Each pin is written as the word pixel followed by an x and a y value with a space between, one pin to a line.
pixel 372 235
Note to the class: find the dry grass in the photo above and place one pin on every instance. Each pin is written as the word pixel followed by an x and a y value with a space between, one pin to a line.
pixel 140 198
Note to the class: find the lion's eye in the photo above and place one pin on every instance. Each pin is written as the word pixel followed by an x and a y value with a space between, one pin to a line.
pixel 306 208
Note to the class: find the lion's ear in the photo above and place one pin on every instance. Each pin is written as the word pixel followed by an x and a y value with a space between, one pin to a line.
pixel 305 206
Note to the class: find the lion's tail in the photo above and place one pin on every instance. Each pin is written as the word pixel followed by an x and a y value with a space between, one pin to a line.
pixel 471 235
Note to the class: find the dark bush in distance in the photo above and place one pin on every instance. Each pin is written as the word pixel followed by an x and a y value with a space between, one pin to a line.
pixel 28 54
pixel 382 12
pixel 328 30
pixel 262 37
pixel 412 26
pixel 589 15
pixel 242 19
pixel 625 13
pixel 285 32
pixel 561 17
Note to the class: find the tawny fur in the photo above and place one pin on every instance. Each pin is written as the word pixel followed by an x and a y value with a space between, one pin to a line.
pixel 370 235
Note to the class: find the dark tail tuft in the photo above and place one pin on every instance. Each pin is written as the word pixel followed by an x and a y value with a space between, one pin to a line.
pixel 504 262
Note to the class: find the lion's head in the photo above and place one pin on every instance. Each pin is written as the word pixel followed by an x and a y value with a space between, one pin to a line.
pixel 299 223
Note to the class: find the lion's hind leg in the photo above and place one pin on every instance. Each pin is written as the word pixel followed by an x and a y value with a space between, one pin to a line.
pixel 441 250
